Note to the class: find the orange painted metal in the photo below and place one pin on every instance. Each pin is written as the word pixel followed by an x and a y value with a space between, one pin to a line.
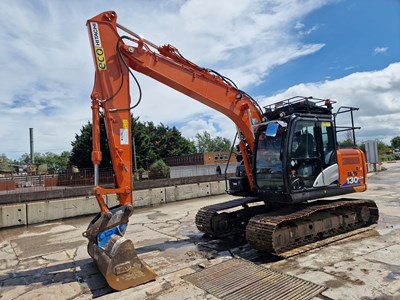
pixel 117 258
pixel 352 169
pixel 166 65
pixel 111 95
pixel 198 83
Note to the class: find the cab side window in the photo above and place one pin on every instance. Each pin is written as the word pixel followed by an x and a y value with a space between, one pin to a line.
pixel 328 144
pixel 304 142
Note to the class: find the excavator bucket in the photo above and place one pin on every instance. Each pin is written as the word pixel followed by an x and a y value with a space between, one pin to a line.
pixel 120 265
pixel 115 255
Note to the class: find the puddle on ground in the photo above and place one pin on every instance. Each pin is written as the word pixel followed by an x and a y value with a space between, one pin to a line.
pixel 38 245
pixel 155 215
pixel 160 244
pixel 392 276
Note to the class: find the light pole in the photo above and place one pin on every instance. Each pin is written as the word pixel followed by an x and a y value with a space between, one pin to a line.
pixel 134 152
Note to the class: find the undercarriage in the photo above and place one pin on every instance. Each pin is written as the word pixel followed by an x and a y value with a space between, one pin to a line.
pixel 280 230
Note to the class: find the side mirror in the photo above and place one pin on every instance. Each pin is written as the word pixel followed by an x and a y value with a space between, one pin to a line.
pixel 272 129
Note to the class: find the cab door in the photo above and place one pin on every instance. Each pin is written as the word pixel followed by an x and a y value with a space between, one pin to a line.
pixel 312 151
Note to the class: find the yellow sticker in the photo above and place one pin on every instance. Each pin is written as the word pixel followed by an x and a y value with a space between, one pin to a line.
pixel 98 49
pixel 326 124
pixel 125 123
pixel 100 58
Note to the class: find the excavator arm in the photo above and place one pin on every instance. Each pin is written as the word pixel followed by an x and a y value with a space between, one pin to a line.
pixel 114 56
pixel 166 65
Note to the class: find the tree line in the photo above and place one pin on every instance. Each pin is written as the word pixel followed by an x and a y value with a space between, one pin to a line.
pixel 153 143
pixel 385 152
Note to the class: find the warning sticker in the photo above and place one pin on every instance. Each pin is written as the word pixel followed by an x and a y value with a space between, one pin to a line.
pixel 123 135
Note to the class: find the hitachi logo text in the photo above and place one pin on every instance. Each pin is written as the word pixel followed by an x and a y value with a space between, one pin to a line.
pixel 95 34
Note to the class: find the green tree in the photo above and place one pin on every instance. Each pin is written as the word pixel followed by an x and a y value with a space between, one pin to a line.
pixel 7 165
pixel 3 159
pixel 62 161
pixel 152 143
pixel 348 141
pixel 206 143
pixel 81 153
pixel 144 143
pixel 160 167
pixel 169 142
pixel 158 142
pixel 383 149
pixel 50 161
pixel 395 142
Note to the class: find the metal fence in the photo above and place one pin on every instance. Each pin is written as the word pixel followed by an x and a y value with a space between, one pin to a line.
pixel 25 183
pixel 10 183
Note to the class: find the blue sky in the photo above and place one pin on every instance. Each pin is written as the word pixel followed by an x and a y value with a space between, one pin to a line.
pixel 358 36
pixel 347 50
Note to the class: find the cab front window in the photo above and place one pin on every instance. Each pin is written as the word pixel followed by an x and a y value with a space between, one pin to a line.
pixel 269 165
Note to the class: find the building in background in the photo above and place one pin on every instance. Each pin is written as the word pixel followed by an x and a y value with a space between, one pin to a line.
pixel 199 164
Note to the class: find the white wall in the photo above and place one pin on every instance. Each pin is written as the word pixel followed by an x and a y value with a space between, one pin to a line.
pixel 199 170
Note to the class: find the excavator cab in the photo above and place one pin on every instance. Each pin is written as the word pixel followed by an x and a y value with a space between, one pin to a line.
pixel 296 154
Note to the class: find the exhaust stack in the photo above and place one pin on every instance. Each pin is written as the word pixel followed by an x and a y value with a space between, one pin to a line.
pixel 31 145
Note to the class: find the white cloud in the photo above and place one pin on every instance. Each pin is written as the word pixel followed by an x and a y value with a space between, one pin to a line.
pixel 47 70
pixel 308 31
pixel 192 127
pixel 377 94
pixel 215 123
pixel 380 50
pixel 351 68
pixel 299 26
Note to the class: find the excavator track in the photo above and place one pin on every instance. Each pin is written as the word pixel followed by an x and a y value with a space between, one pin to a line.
pixel 291 230
pixel 285 232
pixel 228 218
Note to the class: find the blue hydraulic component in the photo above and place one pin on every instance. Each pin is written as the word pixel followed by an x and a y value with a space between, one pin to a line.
pixel 104 237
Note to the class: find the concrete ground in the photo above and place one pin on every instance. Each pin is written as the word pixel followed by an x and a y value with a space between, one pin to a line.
pixel 49 261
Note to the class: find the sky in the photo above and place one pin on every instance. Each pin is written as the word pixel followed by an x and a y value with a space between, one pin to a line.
pixel 345 50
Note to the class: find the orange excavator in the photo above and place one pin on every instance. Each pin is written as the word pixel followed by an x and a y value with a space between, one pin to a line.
pixel 288 153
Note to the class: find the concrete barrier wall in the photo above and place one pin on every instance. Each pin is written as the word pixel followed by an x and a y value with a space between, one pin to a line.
pixel 217 187
pixel 187 191
pixel 142 198
pixel 12 215
pixel 42 211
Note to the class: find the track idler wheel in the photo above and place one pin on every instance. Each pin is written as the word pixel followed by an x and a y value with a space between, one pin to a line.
pixel 119 264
